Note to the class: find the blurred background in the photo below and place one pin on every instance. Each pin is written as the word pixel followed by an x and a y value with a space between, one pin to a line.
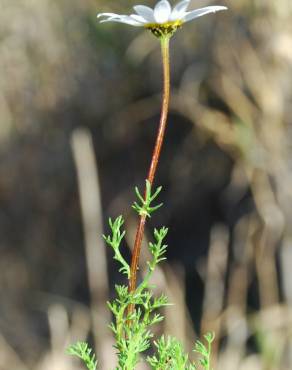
pixel 79 107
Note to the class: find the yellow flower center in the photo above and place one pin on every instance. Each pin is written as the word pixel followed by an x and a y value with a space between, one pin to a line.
pixel 164 29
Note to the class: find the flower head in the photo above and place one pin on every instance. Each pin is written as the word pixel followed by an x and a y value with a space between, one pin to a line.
pixel 162 20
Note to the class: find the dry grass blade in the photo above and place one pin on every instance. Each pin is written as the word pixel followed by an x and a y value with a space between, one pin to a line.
pixel 86 167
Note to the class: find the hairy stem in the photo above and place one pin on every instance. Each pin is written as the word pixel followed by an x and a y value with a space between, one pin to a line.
pixel 154 160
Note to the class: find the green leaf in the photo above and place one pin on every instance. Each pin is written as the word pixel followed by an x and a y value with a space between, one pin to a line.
pixel 205 351
pixel 83 351
pixel 145 208
pixel 114 241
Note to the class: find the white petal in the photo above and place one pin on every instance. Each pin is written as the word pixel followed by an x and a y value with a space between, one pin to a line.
pixel 129 20
pixel 108 20
pixel 162 11
pixel 123 19
pixel 179 10
pixel 138 18
pixel 199 12
pixel 145 12
pixel 107 15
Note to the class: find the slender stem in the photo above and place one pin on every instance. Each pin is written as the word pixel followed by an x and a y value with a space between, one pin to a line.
pixel 154 159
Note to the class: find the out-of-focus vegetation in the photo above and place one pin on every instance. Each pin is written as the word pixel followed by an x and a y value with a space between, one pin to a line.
pixel 225 171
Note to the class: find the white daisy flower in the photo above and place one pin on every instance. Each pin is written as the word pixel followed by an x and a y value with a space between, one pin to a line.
pixel 162 20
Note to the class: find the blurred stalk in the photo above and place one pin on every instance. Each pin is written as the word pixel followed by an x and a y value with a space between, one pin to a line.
pixel 87 174
pixel 9 357
pixel 269 235
pixel 215 285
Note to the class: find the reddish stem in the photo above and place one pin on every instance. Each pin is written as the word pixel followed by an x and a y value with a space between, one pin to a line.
pixel 154 162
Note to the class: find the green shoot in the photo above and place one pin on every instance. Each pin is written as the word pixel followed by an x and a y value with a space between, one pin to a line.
pixel 114 242
pixel 170 355
pixel 157 249
pixel 205 351
pixel 145 207
pixel 81 350
pixel 131 330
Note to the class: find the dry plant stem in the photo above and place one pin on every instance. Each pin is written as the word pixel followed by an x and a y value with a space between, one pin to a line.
pixel 154 160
